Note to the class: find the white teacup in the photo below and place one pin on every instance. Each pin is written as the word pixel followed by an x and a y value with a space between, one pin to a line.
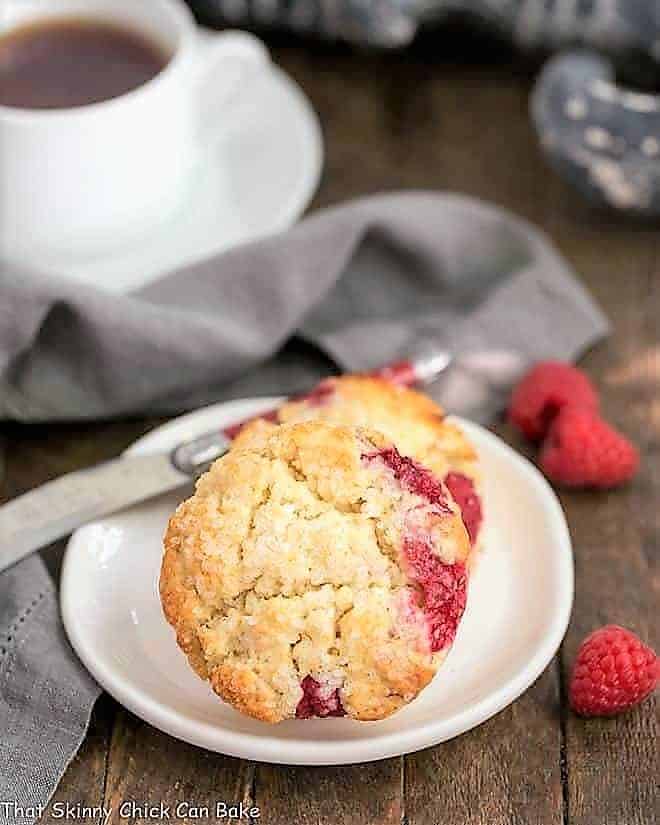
pixel 70 178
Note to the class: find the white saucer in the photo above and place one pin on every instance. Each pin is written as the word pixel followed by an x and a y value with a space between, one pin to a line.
pixel 518 609
pixel 274 153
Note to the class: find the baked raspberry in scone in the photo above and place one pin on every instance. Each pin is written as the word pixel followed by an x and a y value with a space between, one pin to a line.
pixel 316 572
pixel 415 423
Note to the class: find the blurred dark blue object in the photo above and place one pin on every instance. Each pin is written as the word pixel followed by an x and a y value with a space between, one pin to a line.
pixel 371 22
pixel 602 138
pixel 613 26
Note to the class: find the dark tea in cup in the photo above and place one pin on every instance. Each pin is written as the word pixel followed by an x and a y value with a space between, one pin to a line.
pixel 62 63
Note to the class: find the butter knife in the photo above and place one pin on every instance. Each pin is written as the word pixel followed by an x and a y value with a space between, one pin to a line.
pixel 53 510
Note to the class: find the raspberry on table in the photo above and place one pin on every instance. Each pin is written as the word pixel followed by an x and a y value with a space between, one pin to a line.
pixel 582 450
pixel 613 671
pixel 545 390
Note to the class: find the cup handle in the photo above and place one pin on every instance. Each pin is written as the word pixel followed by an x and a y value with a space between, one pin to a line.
pixel 227 62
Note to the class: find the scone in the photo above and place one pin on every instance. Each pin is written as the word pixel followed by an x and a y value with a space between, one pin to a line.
pixel 316 572
pixel 415 423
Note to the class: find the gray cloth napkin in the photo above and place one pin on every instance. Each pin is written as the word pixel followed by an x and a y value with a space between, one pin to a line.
pixel 46 696
pixel 357 286
pixel 360 284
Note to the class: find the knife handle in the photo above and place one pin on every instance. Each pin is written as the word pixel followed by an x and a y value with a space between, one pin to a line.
pixel 194 457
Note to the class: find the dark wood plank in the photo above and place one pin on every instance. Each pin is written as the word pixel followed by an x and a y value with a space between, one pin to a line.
pixel 38 452
pixel 506 771
pixel 612 764
pixel 414 121
pixel 355 794
pixel 150 769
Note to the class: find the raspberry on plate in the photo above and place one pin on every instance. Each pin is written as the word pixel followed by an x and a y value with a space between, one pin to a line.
pixel 316 572
pixel 613 671
pixel 545 390
pixel 582 450
pixel 411 420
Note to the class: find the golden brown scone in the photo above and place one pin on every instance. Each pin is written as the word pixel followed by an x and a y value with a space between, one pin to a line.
pixel 415 423
pixel 316 572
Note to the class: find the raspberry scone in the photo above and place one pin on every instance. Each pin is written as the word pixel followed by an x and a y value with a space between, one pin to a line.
pixel 415 423
pixel 316 572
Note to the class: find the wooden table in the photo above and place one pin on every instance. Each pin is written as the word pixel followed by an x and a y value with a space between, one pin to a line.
pixel 408 121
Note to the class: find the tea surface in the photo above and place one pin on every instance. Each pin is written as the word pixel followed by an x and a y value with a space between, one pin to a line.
pixel 74 62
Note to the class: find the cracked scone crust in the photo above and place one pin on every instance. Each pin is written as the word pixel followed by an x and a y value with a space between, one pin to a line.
pixel 410 419
pixel 316 572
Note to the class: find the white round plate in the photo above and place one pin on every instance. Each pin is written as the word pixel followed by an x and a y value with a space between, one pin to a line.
pixel 518 609
pixel 256 178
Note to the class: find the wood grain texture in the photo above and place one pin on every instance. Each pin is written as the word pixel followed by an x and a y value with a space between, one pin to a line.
pixel 613 764
pixel 430 119
pixel 413 122
pixel 368 794
pixel 147 769
pixel 506 771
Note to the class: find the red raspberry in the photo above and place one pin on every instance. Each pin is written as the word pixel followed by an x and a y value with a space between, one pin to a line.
pixel 582 450
pixel 543 392
pixel 316 701
pixel 467 498
pixel 613 671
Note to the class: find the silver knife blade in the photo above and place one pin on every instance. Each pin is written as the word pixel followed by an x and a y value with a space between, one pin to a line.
pixel 55 509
